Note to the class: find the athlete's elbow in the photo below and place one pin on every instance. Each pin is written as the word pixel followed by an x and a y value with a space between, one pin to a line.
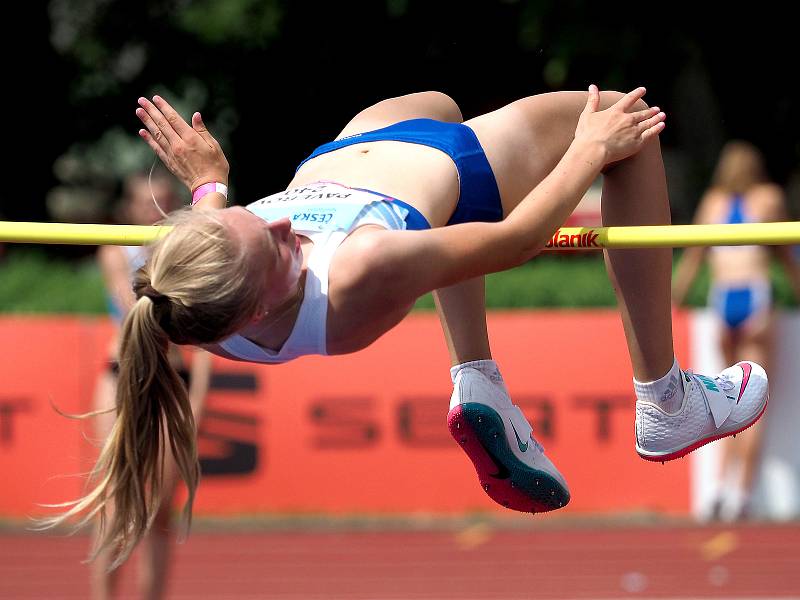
pixel 521 241
pixel 528 254
pixel 527 248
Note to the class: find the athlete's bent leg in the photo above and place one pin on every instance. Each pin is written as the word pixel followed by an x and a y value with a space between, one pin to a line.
pixel 523 142
pixel 477 383
pixel 462 313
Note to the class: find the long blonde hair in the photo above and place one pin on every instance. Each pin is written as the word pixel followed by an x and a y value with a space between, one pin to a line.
pixel 194 289
pixel 740 167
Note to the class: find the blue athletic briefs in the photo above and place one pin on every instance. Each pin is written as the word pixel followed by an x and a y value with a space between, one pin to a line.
pixel 736 303
pixel 479 198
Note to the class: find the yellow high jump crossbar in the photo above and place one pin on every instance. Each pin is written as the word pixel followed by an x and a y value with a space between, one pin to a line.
pixel 565 238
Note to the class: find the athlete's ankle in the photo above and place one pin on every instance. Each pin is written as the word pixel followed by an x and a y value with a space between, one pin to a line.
pixel 666 391
pixel 486 366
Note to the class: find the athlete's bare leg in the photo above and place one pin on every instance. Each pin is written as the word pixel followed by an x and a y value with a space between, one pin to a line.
pixel 461 308
pixel 157 545
pixel 525 140
pixel 753 342
pixel 462 313
pixel 104 583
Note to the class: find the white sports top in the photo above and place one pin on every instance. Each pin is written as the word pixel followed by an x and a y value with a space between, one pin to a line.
pixel 327 213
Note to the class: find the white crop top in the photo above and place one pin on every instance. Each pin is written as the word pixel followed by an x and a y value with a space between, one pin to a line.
pixel 327 213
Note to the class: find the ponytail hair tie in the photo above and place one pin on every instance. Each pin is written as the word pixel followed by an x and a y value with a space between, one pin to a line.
pixel 155 296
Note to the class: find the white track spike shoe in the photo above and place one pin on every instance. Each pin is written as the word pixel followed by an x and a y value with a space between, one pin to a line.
pixel 713 408
pixel 498 439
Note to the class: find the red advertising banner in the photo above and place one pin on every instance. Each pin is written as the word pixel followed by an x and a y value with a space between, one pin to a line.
pixel 358 434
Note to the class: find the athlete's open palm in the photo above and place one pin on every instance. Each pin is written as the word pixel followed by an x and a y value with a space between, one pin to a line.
pixel 190 152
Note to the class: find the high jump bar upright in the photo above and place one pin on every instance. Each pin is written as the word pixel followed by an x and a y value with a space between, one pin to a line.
pixel 565 238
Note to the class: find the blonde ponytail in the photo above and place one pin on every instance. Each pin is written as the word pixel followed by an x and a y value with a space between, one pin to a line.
pixel 194 289
pixel 153 415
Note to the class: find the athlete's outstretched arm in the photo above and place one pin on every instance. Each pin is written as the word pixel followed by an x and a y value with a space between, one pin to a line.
pixel 190 152
pixel 416 262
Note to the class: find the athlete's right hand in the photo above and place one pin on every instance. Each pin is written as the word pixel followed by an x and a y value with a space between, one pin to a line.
pixel 190 152
pixel 619 130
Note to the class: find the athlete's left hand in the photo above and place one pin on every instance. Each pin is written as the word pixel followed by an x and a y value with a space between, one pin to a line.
pixel 622 129
pixel 190 152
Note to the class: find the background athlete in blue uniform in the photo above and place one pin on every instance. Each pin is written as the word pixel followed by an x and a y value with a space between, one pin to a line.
pixel 740 295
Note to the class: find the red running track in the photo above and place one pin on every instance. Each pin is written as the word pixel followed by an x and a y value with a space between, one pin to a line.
pixel 473 563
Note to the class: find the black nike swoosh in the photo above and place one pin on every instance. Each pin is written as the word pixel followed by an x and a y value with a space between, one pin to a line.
pixel 502 470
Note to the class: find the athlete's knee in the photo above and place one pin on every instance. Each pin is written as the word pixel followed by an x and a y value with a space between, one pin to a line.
pixel 611 97
pixel 448 106
pixel 444 105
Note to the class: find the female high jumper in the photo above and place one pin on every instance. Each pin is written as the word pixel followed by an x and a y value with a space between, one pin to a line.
pixel 407 200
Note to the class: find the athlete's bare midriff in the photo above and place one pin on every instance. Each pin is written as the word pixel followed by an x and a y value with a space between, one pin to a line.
pixel 740 265
pixel 424 177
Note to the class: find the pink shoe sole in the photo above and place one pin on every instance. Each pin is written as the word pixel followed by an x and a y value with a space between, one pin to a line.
pixel 479 430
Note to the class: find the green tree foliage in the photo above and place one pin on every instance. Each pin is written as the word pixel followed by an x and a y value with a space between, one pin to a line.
pixel 274 78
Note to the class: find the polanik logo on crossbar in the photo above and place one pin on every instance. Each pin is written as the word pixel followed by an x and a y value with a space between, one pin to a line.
pixel 577 240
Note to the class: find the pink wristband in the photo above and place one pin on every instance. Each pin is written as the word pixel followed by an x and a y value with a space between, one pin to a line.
pixel 208 188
